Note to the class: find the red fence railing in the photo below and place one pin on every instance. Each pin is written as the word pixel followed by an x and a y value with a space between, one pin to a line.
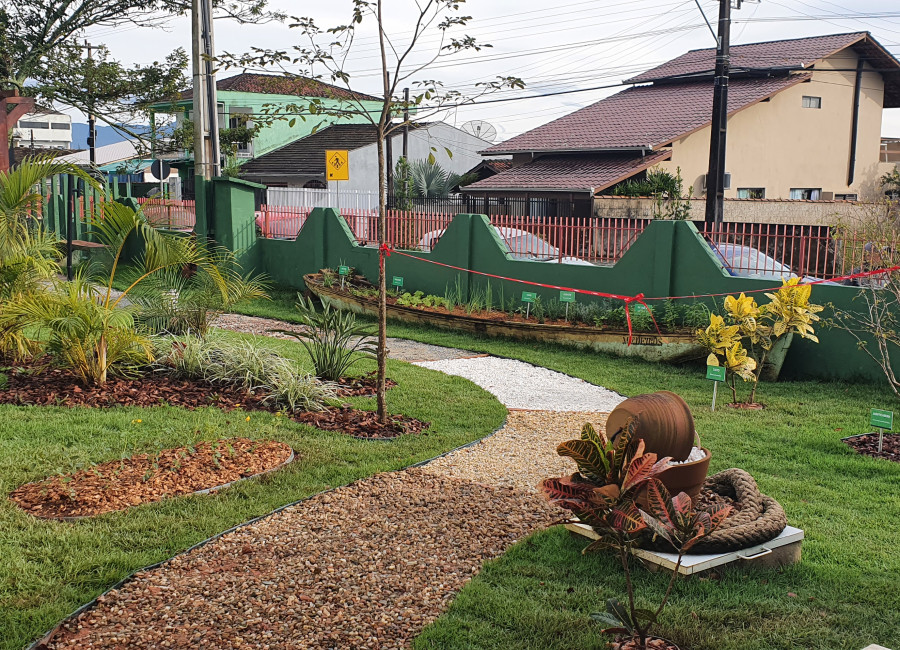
pixel 169 213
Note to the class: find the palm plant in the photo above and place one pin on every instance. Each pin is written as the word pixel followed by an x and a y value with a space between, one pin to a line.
pixel 179 302
pixel 28 253
pixel 92 330
pixel 425 179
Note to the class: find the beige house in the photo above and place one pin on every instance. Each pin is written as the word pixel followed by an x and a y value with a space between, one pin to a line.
pixel 804 123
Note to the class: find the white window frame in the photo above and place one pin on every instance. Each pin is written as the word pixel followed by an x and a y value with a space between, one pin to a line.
pixel 797 193
pixel 811 101
pixel 747 190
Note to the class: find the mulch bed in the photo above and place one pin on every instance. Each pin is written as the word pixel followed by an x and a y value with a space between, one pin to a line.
pixel 121 484
pixel 47 386
pixel 364 386
pixel 868 444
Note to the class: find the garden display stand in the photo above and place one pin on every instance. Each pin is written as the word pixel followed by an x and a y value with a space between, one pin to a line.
pixel 781 551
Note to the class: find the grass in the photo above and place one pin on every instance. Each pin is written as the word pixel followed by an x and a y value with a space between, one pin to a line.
pixel 47 569
pixel 842 595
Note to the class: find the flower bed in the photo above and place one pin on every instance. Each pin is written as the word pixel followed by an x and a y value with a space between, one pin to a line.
pixel 121 484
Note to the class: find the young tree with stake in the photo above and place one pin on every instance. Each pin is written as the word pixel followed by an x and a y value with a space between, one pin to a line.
pixel 328 50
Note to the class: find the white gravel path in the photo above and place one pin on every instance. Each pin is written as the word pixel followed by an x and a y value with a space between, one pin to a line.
pixel 520 385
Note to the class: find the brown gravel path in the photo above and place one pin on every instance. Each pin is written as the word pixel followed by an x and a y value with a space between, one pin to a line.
pixel 365 566
pixel 522 453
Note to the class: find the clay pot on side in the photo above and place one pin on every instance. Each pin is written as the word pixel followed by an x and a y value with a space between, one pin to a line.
pixel 688 477
pixel 664 421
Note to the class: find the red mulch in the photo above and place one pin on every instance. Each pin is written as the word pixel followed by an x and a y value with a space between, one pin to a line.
pixel 364 386
pixel 362 424
pixel 121 484
pixel 868 444
pixel 46 386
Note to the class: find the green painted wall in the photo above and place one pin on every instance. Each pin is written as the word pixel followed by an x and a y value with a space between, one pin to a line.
pixel 669 259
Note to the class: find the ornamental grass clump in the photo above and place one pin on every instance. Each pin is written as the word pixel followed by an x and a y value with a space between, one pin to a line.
pixel 743 339
pixel 246 364
pixel 333 339
pixel 617 492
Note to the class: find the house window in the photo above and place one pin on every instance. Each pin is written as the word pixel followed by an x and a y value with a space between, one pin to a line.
pixel 61 126
pixel 34 125
pixel 846 197
pixel 239 117
pixel 751 193
pixel 812 102
pixel 806 193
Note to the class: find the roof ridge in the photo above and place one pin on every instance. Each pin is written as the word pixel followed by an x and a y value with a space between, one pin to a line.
pixel 780 40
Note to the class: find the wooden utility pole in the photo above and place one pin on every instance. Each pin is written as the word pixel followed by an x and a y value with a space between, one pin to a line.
pixel 92 130
pixel 405 123
pixel 715 178
pixel 12 107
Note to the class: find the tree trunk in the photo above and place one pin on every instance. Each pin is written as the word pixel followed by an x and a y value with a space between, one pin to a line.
pixel 382 284
pixel 101 354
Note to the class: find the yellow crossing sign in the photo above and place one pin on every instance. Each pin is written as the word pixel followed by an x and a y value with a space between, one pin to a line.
pixel 337 164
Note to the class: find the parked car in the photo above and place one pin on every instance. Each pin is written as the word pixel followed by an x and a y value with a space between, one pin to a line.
pixel 746 262
pixel 522 245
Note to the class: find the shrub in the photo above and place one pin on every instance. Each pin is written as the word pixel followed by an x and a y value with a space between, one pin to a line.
pixel 329 339
pixel 246 364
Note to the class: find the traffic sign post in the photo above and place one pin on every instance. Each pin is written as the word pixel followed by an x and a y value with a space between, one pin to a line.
pixel 528 297
pixel 715 374
pixel 337 164
pixel 881 420
pixel 567 297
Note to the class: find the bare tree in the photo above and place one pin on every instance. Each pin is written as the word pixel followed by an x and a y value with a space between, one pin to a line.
pixel 324 55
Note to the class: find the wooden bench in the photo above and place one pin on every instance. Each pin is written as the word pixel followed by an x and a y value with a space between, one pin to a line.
pixel 82 245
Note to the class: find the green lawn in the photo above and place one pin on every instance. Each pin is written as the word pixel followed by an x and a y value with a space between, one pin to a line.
pixel 47 569
pixel 847 587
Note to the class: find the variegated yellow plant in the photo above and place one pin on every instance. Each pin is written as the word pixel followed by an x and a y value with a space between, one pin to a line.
pixel 744 311
pixel 791 311
pixel 718 337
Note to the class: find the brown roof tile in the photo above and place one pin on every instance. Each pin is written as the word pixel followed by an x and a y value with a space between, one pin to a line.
pixel 573 173
pixel 795 53
pixel 273 84
pixel 641 117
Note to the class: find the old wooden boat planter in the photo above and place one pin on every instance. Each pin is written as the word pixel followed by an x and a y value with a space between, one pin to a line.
pixel 673 348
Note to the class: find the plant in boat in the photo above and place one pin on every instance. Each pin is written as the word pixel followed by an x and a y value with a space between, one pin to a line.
pixel 333 339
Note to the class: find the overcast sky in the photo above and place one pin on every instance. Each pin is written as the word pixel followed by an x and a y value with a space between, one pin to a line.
pixel 567 45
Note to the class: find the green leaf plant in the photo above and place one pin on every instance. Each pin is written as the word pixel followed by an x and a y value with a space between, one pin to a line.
pixel 617 492
pixel 88 327
pixel 333 339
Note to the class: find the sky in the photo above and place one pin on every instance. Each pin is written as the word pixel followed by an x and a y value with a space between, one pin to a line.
pixel 568 45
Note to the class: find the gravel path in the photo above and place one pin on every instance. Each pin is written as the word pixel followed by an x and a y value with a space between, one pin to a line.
pixel 314 577
pixel 520 385
pixel 521 454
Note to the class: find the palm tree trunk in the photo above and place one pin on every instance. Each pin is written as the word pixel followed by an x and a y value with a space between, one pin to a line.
pixel 101 354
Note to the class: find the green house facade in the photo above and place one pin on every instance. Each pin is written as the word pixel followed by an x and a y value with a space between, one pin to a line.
pixel 246 96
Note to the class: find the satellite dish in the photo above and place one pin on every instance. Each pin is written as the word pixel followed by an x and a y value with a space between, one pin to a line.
pixel 480 129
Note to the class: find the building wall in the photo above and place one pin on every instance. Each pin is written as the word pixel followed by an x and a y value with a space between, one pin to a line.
pixel 800 213
pixel 779 145
pixel 56 135
pixel 434 139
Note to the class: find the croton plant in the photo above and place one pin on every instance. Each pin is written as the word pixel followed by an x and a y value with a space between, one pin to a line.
pixel 616 491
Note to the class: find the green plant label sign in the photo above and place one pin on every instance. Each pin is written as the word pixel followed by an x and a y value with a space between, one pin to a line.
pixel 344 270
pixel 567 296
pixel 882 419
pixel 529 296
pixel 398 281
pixel 716 373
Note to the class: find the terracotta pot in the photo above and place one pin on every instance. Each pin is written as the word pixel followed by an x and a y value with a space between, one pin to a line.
pixel 664 422
pixel 688 477
pixel 653 643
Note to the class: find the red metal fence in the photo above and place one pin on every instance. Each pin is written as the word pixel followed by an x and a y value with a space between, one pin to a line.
pixel 768 251
pixel 169 213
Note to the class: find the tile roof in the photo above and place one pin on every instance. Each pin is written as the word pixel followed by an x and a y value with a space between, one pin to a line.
pixel 572 173
pixel 306 156
pixel 797 53
pixel 273 84
pixel 642 117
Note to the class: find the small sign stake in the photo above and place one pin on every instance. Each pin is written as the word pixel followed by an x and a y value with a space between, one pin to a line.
pixel 528 297
pixel 398 281
pixel 567 297
pixel 343 271
pixel 881 420
pixel 715 374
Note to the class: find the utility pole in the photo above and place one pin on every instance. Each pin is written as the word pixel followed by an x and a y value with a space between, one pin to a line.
pixel 92 130
pixel 204 100
pixel 715 178
pixel 405 123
